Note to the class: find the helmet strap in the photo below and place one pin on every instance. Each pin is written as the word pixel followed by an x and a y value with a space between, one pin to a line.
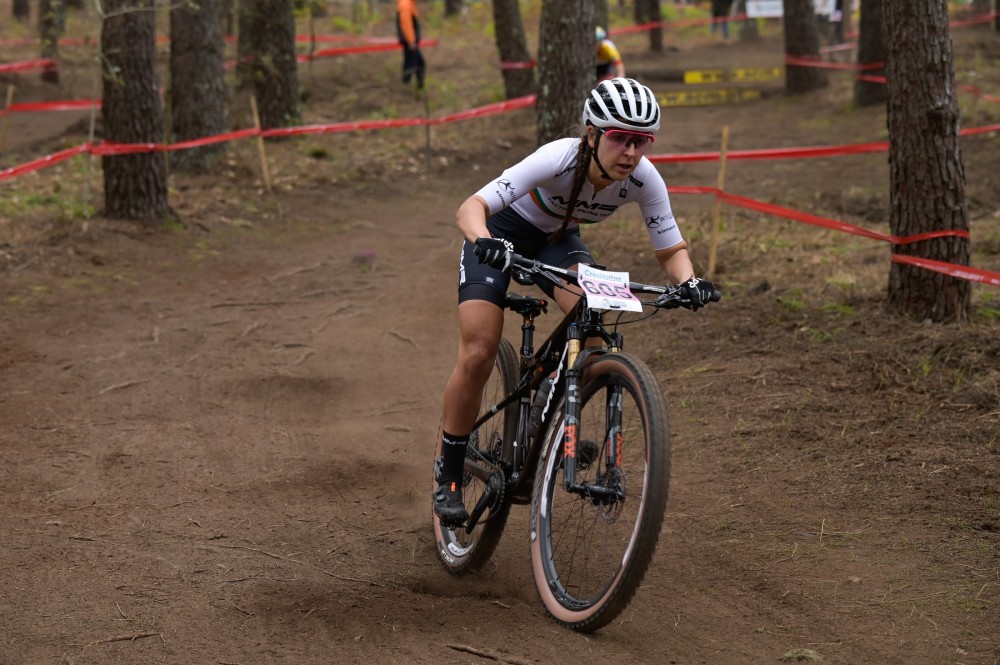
pixel 600 167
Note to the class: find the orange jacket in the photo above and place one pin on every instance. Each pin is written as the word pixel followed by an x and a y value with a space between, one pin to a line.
pixel 407 11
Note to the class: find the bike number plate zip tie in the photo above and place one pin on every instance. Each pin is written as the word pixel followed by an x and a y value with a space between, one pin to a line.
pixel 607 290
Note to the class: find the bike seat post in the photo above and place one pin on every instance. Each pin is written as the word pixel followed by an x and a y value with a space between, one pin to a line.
pixel 527 336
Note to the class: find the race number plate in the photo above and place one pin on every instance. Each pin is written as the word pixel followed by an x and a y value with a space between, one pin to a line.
pixel 607 290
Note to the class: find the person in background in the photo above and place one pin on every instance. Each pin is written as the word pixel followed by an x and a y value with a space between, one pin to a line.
pixel 720 14
pixel 609 60
pixel 408 31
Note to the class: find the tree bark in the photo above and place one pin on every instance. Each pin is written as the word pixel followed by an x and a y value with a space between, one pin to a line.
pixel 602 16
pixel 51 26
pixel 748 28
pixel 135 186
pixel 654 13
pixel 512 44
pixel 565 65
pixel 197 82
pixel 802 41
pixel 847 20
pixel 21 10
pixel 927 176
pixel 871 50
pixel 267 60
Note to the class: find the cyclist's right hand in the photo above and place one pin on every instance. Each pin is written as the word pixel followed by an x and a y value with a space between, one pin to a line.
pixel 495 251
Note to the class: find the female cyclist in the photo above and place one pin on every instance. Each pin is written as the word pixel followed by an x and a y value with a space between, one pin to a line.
pixel 535 208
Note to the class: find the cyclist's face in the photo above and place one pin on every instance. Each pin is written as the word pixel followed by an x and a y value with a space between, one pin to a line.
pixel 619 151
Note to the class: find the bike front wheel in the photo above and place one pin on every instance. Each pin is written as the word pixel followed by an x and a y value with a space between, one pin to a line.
pixel 591 548
pixel 484 490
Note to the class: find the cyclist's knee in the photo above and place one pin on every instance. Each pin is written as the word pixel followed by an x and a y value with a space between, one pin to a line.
pixel 476 359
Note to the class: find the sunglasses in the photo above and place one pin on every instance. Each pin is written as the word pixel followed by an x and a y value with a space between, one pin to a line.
pixel 620 140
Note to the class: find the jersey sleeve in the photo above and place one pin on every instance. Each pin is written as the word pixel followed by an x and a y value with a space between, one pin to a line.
pixel 654 202
pixel 534 170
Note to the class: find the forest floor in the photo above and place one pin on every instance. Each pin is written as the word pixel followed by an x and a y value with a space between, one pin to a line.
pixel 217 435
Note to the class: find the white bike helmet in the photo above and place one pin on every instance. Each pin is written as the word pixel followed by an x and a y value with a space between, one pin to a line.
pixel 600 33
pixel 622 103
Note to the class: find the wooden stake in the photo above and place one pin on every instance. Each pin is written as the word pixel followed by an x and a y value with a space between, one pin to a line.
pixel 716 227
pixel 427 127
pixel 260 144
pixel 90 156
pixel 6 116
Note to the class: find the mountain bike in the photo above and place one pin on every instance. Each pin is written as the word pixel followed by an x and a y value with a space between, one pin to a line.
pixel 577 429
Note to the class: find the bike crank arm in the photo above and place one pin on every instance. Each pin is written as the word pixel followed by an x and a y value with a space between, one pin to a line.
pixel 490 499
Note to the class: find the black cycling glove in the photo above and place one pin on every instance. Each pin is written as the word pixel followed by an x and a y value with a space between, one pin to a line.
pixel 696 293
pixel 494 251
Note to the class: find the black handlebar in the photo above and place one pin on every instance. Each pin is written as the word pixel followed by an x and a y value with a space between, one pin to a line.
pixel 669 297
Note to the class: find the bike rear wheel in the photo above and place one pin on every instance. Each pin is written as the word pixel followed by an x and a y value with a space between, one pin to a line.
pixel 590 553
pixel 460 549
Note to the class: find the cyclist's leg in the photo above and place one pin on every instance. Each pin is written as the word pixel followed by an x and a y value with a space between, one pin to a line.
pixel 480 325
pixel 568 252
pixel 480 315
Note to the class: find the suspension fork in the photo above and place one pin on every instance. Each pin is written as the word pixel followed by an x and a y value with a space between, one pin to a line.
pixel 573 413
pixel 571 426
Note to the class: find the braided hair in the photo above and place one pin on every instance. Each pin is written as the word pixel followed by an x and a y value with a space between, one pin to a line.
pixel 583 154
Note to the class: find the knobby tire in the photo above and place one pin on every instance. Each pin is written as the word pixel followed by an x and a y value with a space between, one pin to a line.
pixel 589 558
pixel 460 551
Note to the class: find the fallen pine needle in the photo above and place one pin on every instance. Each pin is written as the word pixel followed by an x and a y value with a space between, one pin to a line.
pixel 126 384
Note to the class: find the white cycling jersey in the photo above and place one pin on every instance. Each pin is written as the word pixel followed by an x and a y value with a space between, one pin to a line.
pixel 538 189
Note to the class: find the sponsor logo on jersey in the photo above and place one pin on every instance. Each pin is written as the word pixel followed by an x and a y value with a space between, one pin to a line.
pixel 637 183
pixel 602 209
pixel 505 191
pixel 657 221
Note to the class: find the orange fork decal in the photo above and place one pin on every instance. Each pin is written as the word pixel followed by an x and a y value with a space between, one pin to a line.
pixel 569 441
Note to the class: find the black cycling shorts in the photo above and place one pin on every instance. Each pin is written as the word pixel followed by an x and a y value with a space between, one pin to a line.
pixel 478 281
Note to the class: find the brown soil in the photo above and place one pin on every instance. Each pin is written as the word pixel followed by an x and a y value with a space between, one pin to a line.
pixel 217 436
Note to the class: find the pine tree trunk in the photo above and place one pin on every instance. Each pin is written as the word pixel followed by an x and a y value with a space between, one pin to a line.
pixel 135 186
pixel 565 66
pixel 927 177
pixel 847 20
pixel 748 28
pixel 512 45
pixel 197 82
pixel 802 41
pixel 654 12
pixel 601 14
pixel 871 50
pixel 51 26
pixel 21 10
pixel 267 60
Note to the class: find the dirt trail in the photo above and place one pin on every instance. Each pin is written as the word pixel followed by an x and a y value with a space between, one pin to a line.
pixel 217 438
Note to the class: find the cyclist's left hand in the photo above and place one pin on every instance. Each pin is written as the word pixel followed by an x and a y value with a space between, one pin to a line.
pixel 696 293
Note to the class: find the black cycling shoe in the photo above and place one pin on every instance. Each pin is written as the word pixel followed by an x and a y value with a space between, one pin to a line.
pixel 448 505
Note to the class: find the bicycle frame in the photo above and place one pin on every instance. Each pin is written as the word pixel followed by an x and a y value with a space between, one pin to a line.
pixel 564 352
